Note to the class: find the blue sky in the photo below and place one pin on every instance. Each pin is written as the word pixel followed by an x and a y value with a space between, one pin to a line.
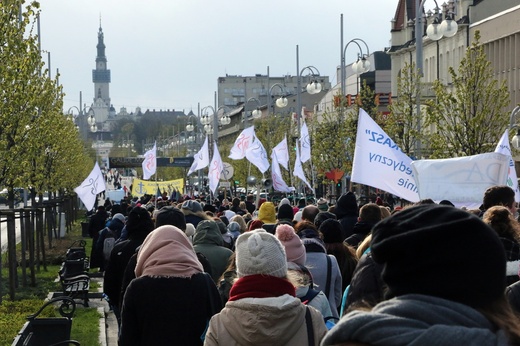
pixel 168 54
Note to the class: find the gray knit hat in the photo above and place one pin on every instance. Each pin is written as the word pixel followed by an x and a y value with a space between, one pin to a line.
pixel 259 252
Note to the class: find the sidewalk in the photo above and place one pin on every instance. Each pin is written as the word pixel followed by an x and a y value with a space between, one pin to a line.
pixel 108 328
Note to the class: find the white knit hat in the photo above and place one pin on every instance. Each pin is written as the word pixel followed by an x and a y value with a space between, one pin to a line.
pixel 259 252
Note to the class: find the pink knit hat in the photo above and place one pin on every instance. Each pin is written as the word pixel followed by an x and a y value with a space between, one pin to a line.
pixel 294 248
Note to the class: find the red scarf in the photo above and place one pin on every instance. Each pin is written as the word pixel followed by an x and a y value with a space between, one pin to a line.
pixel 260 286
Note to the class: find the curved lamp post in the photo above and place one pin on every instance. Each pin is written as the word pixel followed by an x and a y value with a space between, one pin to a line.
pixel 313 87
pixel 73 117
pixel 435 31
pixel 281 101
pixel 211 122
pixel 257 113
pixel 362 64
pixel 513 125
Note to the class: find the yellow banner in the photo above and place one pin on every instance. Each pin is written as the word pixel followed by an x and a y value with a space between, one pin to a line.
pixel 147 187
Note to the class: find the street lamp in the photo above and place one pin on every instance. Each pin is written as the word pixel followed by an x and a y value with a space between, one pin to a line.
pixel 313 87
pixel 512 125
pixel 362 65
pixel 435 31
pixel 73 117
pixel 257 113
pixel 211 122
pixel 281 101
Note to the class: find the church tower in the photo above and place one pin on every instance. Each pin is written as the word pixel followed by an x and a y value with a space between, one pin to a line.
pixel 101 79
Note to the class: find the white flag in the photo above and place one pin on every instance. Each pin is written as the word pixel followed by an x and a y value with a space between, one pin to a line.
pixel 278 182
pixel 298 169
pixel 244 140
pixel 380 163
pixel 201 159
pixel 460 180
pixel 150 162
pixel 215 169
pixel 305 142
pixel 282 153
pixel 257 155
pixel 503 147
pixel 90 187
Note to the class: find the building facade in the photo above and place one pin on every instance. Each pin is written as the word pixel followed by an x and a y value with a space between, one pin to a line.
pixel 498 23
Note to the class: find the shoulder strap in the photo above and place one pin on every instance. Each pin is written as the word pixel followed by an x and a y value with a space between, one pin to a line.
pixel 311 294
pixel 329 268
pixel 310 329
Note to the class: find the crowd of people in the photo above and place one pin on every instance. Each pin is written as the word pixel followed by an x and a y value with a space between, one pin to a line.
pixel 189 272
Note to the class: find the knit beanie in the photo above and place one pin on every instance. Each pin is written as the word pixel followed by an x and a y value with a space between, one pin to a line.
pixel 293 245
pixel 169 215
pixel 440 251
pixel 284 200
pixel 323 204
pixel 259 252
pixel 331 231
pixel 267 213
pixel 322 216
pixel 192 206
pixel 255 224
pixel 139 222
pixel 285 212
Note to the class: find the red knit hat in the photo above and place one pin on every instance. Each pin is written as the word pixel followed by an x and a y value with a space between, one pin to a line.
pixel 255 224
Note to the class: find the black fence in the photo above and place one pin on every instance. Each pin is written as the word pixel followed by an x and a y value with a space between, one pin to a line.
pixel 39 226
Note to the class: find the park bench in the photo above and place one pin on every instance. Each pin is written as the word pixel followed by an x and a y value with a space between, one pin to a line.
pixel 50 331
pixel 73 274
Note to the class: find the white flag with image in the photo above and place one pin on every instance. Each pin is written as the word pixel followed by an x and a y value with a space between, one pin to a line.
pixel 380 163
pixel 201 159
pixel 305 142
pixel 90 187
pixel 215 169
pixel 243 141
pixel 278 182
pixel 257 155
pixel 503 147
pixel 282 153
pixel 298 169
pixel 150 162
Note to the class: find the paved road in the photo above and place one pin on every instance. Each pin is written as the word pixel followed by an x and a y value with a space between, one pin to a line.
pixel 3 233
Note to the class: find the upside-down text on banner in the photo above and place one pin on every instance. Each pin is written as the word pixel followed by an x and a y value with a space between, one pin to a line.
pixel 380 163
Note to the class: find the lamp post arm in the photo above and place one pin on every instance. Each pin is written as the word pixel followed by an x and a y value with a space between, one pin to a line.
pixel 515 111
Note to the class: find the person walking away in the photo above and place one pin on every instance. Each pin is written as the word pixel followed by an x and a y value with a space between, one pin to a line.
pixel 171 300
pixel 442 289
pixel 262 308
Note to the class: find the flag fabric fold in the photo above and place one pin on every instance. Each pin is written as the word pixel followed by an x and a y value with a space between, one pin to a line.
pixel 257 155
pixel 87 191
pixel 380 163
pixel 282 153
pixel 215 169
pixel 150 162
pixel 278 182
pixel 243 141
pixel 201 159
pixel 504 147
pixel 298 169
pixel 305 143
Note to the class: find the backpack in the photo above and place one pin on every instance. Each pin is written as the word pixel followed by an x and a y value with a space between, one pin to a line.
pixel 108 243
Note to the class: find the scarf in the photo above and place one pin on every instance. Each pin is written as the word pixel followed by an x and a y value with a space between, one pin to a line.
pixel 167 252
pixel 260 286
pixel 415 319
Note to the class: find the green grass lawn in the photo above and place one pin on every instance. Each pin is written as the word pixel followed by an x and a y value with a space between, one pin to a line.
pixel 28 300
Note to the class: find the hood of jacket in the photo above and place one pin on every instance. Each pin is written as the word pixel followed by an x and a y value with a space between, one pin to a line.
pixel 346 206
pixel 208 233
pixel 259 321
